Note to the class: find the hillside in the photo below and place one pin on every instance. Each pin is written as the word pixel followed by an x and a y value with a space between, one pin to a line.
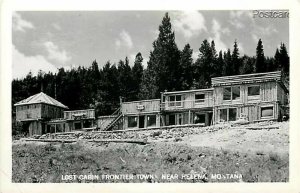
pixel 203 155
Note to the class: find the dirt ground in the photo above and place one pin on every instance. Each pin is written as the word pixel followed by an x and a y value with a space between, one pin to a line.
pixel 216 155
pixel 273 140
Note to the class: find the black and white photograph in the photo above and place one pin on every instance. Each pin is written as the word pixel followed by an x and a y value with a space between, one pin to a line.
pixel 160 96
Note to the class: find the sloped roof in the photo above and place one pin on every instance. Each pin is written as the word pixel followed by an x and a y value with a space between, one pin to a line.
pixel 41 98
pixel 246 78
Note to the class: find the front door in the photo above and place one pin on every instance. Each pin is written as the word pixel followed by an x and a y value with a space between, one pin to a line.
pixel 141 121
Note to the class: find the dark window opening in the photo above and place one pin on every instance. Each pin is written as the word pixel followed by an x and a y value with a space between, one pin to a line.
pixel 253 90
pixel 232 114
pixel 141 121
pixel 235 92
pixel 199 118
pixel 227 93
pixel 172 119
pixel 132 121
pixel 199 98
pixel 151 120
pixel 223 115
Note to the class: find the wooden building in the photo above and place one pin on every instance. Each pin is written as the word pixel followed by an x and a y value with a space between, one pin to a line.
pixel 141 114
pixel 258 97
pixel 35 111
pixel 255 97
pixel 187 107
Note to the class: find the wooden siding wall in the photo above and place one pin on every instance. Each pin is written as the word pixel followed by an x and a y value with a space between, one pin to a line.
pixel 35 128
pixel 51 112
pixel 268 92
pixel 125 125
pixel 282 97
pixel 104 121
pixel 251 111
pixel 90 114
pixel 188 100
pixel 24 112
pixel 149 106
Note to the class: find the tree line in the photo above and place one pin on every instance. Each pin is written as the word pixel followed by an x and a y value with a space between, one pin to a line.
pixel 168 68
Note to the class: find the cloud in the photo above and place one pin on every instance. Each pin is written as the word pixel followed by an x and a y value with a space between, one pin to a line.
pixel 189 23
pixel 218 32
pixel 56 26
pixel 22 64
pixel 124 40
pixel 19 24
pixel 237 18
pixel 56 54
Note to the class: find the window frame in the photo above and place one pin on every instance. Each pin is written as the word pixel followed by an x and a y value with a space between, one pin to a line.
pixel 267 106
pixel 253 97
pixel 231 93
pixel 199 101
pixel 227 110
pixel 147 121
pixel 136 121
pixel 175 102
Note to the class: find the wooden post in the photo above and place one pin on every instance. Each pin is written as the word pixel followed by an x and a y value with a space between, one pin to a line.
pixel 189 121
pixel 55 128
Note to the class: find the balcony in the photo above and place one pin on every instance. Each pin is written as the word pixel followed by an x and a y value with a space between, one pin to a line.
pixel 186 104
pixel 79 114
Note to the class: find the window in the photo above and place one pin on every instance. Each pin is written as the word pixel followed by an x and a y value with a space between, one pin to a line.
pixel 175 100
pixel 178 100
pixel 151 120
pixel 231 93
pixel 180 119
pixel 223 114
pixel 229 114
pixel 235 92
pixel 199 98
pixel 132 121
pixel 232 114
pixel 267 111
pixel 227 93
pixel 253 90
pixel 199 118
pixel 172 101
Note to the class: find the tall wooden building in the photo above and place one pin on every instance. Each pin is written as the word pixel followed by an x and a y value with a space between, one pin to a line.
pixel 35 111
pixel 258 97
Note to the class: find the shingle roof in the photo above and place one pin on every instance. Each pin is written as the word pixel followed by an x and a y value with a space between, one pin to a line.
pixel 41 98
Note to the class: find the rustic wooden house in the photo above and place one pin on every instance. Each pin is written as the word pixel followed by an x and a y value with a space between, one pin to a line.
pixel 258 97
pixel 140 114
pixel 35 111
pixel 187 107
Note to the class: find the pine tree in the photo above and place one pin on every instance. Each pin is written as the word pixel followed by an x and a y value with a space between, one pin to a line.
pixel 137 73
pixel 236 62
pixel 186 64
pixel 220 66
pixel 149 86
pixel 204 65
pixel 125 79
pixel 228 69
pixel 277 62
pixel 260 58
pixel 284 59
pixel 164 62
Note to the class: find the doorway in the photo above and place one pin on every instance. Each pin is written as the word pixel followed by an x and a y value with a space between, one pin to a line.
pixel 141 121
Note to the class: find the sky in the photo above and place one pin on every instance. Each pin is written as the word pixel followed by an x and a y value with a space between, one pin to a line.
pixel 48 40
